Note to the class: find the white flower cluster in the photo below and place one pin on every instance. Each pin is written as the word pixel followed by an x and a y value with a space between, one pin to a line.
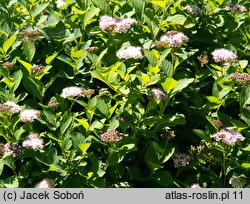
pixel 223 55
pixel 29 115
pixel 32 141
pixel 60 4
pixel 130 52
pixel 118 25
pixel 72 91
pixel 14 108
pixel 45 183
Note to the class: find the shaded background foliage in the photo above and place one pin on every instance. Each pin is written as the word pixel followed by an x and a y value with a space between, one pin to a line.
pixel 198 93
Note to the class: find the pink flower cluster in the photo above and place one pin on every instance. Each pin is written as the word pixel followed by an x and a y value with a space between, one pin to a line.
pixel 223 55
pixel 45 183
pixel 229 137
pixel 172 39
pixel 193 9
pixel 240 78
pixel 235 7
pixel 32 141
pixel 118 25
pixel 157 93
pixel 130 52
pixel 181 159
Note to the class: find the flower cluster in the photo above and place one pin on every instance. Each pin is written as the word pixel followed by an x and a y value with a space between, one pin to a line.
pixel 14 108
pixel 181 159
pixel 193 9
pixel 12 149
pixel 8 64
pixel 130 52
pixel 37 69
pixel 45 183
pixel 240 78
pixel 29 34
pixel 72 91
pixel 92 49
pixel 53 104
pixel 236 7
pixel 168 134
pixel 157 93
pixel 32 141
pixel 111 136
pixel 60 4
pixel 172 39
pixel 195 185
pixel 237 182
pixel 223 55
pixel 29 115
pixel 229 137
pixel 118 25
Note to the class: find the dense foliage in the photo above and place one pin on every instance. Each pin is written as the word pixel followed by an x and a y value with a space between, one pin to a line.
pixel 129 93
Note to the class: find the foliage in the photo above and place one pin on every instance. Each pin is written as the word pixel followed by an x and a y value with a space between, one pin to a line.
pixel 46 47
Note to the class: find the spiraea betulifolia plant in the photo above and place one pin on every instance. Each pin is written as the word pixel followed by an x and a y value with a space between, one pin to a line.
pixel 136 93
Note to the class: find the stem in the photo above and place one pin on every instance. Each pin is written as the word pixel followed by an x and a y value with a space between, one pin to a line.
pixel 224 169
pixel 164 151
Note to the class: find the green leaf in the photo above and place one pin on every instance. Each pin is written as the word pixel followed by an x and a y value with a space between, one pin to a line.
pixel 115 157
pixel 84 123
pixel 9 81
pixel 39 9
pixel 88 17
pixel 29 50
pixel 164 178
pixel 139 7
pixel 1 166
pixel 246 148
pixel 183 83
pixel 18 75
pixel 8 43
pixel 25 169
pixel 67 120
pixel 76 34
pixel 203 135
pixel 162 4
pixel 32 87
pixel 169 84
pixel 51 58
pixel 84 147
pixel 245 165
pixel 103 107
pixel 103 5
pixel 27 65
pixel 178 19
pixel 52 156
pixel 11 182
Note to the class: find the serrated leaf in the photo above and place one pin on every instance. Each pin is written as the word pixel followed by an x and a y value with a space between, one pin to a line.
pixel 183 83
pixel 51 58
pixel 26 65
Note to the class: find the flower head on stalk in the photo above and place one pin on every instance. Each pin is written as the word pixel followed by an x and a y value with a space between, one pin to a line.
pixel 130 52
pixel 181 159
pixel 236 7
pixel 240 78
pixel 237 182
pixel 117 25
pixel 157 93
pixel 172 39
pixel 14 108
pixel 223 55
pixel 111 136
pixel 29 115
pixel 229 137
pixel 32 141
pixel 72 92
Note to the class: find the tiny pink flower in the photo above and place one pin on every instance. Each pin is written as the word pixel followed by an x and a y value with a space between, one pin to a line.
pixel 195 185
pixel 236 7
pixel 193 9
pixel 45 183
